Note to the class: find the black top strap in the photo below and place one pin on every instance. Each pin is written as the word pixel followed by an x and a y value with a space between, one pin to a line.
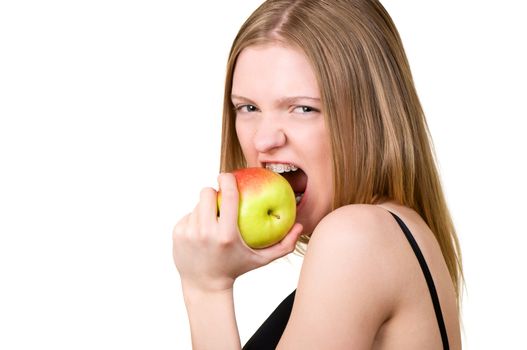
pixel 429 280
pixel 270 332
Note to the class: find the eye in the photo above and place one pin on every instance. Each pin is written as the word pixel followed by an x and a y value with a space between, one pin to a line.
pixel 246 108
pixel 305 109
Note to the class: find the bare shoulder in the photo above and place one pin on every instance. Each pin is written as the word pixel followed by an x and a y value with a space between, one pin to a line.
pixel 349 281
pixel 359 234
pixel 357 223
pixel 361 286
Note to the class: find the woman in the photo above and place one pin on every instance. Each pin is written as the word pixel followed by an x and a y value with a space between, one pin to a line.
pixel 325 87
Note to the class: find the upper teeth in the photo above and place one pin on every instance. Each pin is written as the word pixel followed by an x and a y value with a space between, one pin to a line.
pixel 280 167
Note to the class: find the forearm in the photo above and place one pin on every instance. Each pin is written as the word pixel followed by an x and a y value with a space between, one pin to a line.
pixel 212 320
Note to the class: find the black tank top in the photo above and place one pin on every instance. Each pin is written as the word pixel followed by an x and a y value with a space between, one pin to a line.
pixel 270 332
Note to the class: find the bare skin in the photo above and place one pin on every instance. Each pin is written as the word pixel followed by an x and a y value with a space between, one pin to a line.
pixel 360 286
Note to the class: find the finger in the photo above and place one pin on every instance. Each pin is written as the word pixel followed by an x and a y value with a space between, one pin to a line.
pixel 229 200
pixel 179 236
pixel 180 227
pixel 208 207
pixel 193 222
pixel 285 246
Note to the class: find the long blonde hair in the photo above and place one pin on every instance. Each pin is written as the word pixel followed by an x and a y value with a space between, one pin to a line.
pixel 381 145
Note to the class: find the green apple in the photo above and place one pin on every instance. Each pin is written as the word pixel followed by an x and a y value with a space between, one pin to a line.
pixel 267 206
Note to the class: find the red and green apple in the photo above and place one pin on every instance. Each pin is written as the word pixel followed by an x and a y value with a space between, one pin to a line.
pixel 267 206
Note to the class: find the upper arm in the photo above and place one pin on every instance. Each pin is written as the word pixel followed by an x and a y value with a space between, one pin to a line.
pixel 348 281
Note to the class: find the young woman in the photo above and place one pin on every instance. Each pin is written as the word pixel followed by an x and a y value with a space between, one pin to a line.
pixel 325 86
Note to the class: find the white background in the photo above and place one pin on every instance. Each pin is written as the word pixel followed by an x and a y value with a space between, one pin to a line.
pixel 109 127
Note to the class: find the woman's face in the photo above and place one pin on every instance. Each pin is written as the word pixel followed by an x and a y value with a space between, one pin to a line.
pixel 280 125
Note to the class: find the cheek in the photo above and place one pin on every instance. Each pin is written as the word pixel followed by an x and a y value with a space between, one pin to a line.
pixel 245 139
pixel 324 160
pixel 321 148
pixel 241 133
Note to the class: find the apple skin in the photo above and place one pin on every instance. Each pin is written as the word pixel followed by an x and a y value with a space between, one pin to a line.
pixel 267 206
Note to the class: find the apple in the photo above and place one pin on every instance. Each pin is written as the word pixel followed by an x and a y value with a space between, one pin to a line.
pixel 267 206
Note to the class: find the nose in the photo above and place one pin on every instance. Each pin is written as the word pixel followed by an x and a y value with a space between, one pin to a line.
pixel 269 135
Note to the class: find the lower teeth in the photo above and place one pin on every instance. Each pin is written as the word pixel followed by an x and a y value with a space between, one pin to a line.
pixel 299 198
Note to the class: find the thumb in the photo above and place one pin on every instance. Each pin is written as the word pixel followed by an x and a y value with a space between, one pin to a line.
pixel 285 246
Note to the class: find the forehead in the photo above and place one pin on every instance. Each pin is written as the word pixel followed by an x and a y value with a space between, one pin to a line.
pixel 274 69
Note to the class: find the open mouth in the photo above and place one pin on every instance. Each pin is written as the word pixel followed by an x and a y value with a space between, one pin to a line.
pixel 296 177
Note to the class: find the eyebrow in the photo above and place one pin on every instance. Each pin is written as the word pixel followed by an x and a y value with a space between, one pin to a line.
pixel 281 101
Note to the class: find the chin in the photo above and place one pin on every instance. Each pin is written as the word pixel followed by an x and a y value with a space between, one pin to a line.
pixel 310 222
pixel 308 226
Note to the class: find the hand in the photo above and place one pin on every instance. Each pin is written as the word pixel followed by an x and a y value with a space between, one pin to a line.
pixel 209 252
